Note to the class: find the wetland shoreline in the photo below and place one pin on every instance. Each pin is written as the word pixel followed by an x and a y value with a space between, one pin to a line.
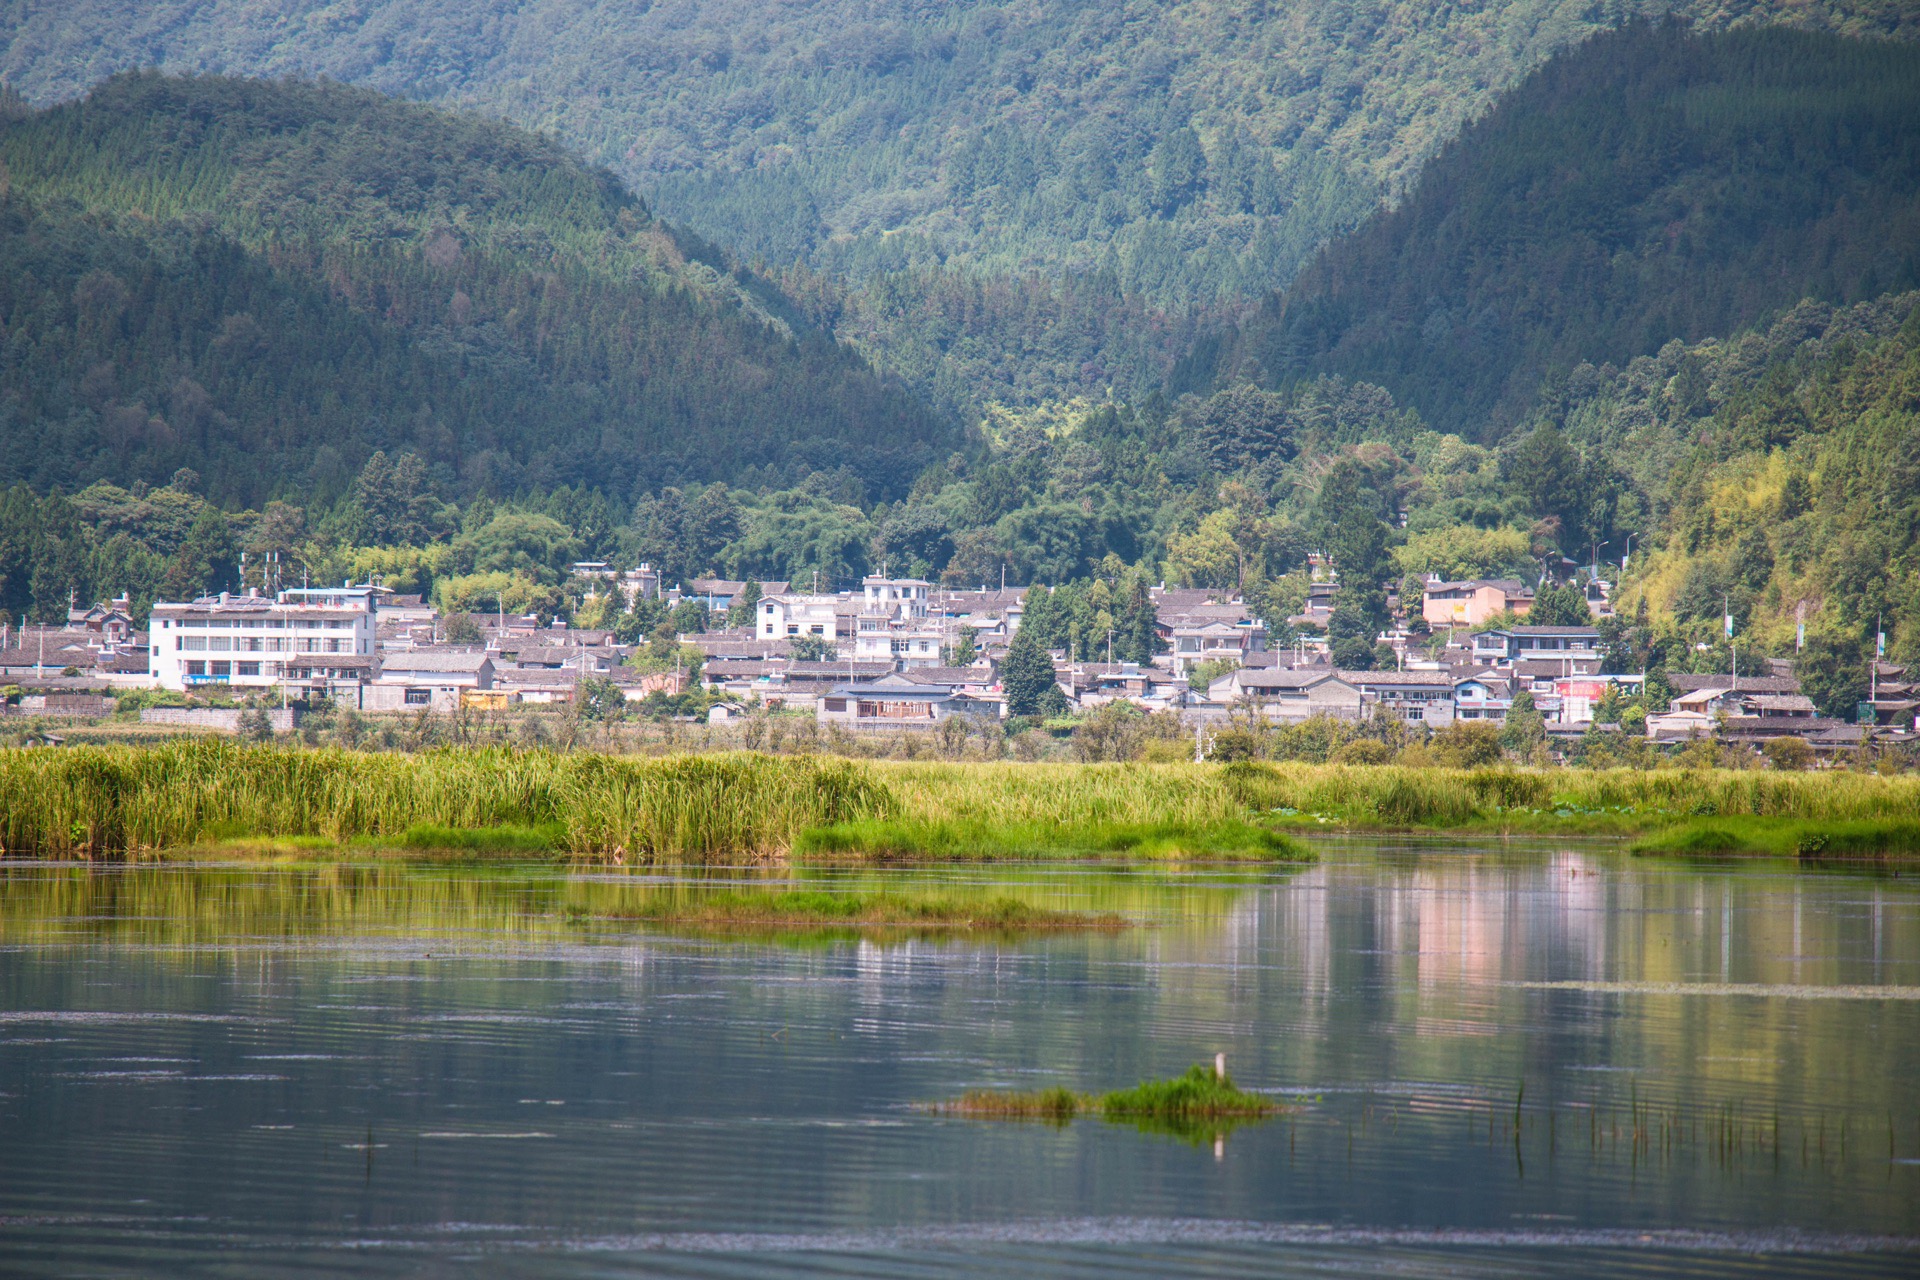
pixel 92 803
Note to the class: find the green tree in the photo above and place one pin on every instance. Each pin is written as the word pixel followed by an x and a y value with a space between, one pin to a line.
pixel 392 504
pixel 1137 637
pixel 600 699
pixel 1545 471
pixel 812 649
pixel 255 726
pixel 209 560
pixel 461 628
pixel 522 542
pixel 1560 607
pixel 1243 425
pixel 965 648
pixel 1027 676
pixel 1833 672
pixel 1525 729
pixel 742 612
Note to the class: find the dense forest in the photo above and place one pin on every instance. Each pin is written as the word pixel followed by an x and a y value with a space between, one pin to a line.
pixel 944 169
pixel 265 283
pixel 1651 185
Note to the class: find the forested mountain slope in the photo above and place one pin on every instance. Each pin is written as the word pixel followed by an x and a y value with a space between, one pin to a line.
pixel 267 282
pixel 941 166
pixel 1650 185
pixel 1773 474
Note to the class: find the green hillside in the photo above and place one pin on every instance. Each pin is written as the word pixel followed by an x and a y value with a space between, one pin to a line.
pixel 266 283
pixel 942 167
pixel 1649 186
pixel 1776 475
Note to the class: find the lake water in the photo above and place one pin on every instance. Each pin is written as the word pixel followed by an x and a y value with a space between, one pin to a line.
pixel 422 1070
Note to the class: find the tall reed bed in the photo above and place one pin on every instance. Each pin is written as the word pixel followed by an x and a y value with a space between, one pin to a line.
pixel 115 801
pixel 1088 795
pixel 1522 798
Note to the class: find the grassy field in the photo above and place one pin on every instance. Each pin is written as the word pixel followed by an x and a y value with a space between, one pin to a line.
pixel 110 802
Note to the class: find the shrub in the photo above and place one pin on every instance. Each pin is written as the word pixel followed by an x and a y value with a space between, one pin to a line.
pixel 1793 754
pixel 1469 744
pixel 1363 751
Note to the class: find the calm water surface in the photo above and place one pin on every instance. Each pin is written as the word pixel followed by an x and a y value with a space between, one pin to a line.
pixel 1514 1060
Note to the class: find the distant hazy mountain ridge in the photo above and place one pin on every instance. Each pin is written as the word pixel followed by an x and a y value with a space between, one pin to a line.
pixel 1183 152
pixel 1649 186
pixel 267 282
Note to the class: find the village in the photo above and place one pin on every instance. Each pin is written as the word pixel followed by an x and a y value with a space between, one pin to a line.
pixel 898 655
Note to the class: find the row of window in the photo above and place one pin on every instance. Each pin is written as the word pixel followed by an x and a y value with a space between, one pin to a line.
pixel 253 644
pixel 262 624
pixel 884 710
pixel 221 670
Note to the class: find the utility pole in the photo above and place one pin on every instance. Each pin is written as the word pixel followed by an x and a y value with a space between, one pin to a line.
pixel 1726 611
pixel 1873 663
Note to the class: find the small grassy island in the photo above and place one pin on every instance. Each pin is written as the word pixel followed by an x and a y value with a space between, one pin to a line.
pixel 1201 1101
pixel 798 910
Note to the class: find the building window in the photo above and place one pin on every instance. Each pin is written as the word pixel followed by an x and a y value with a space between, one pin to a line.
pixel 246 669
pixel 220 670
pixel 836 704
pixel 419 697
pixel 194 644
pixel 196 668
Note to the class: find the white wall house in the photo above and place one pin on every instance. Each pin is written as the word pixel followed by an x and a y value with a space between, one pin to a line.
pixel 430 678
pixel 791 615
pixel 251 641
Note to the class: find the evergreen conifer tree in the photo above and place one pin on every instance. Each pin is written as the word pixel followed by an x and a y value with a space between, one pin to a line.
pixel 1027 675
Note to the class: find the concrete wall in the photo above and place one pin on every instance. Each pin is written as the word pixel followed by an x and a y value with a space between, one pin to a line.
pixel 382 695
pixel 226 720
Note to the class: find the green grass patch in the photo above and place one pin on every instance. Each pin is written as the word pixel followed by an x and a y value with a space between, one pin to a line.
pixel 980 840
pixel 251 847
pixel 1785 838
pixel 1199 1094
pixel 1194 1105
pixel 801 909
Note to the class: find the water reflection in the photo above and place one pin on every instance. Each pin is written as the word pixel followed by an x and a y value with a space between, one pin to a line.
pixel 1528 1059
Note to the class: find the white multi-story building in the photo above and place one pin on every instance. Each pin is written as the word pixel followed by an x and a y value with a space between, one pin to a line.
pixel 894 625
pixel 791 614
pixel 251 641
